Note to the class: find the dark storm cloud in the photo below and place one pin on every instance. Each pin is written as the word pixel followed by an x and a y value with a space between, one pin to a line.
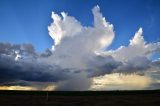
pixel 24 71
pixel 24 49
pixel 32 70
pixel 101 65
pixel 16 82
pixel 28 68
pixel 137 64
pixel 11 70
pixel 46 53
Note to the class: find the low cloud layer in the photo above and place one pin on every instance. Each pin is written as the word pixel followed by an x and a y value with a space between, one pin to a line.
pixel 78 56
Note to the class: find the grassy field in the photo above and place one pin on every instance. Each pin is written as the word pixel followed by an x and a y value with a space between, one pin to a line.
pixel 80 98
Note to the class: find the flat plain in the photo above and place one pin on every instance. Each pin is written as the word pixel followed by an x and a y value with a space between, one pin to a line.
pixel 80 98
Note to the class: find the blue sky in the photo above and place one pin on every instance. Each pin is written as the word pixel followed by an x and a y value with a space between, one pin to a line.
pixel 26 21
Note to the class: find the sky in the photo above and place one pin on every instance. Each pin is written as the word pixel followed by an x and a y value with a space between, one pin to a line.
pixel 27 20
pixel 57 45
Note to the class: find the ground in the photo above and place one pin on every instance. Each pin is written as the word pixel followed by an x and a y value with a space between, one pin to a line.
pixel 88 98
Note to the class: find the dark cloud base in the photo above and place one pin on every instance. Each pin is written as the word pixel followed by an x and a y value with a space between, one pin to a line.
pixel 13 72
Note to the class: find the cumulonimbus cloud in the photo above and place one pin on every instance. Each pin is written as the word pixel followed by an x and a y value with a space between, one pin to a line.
pixel 78 55
pixel 74 43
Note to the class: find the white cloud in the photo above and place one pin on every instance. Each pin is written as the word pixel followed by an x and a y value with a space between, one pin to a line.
pixel 138 47
pixel 60 28
pixel 138 39
pixel 74 43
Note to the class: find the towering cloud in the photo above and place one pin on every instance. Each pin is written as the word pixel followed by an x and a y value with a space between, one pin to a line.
pixel 75 44
pixel 137 47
